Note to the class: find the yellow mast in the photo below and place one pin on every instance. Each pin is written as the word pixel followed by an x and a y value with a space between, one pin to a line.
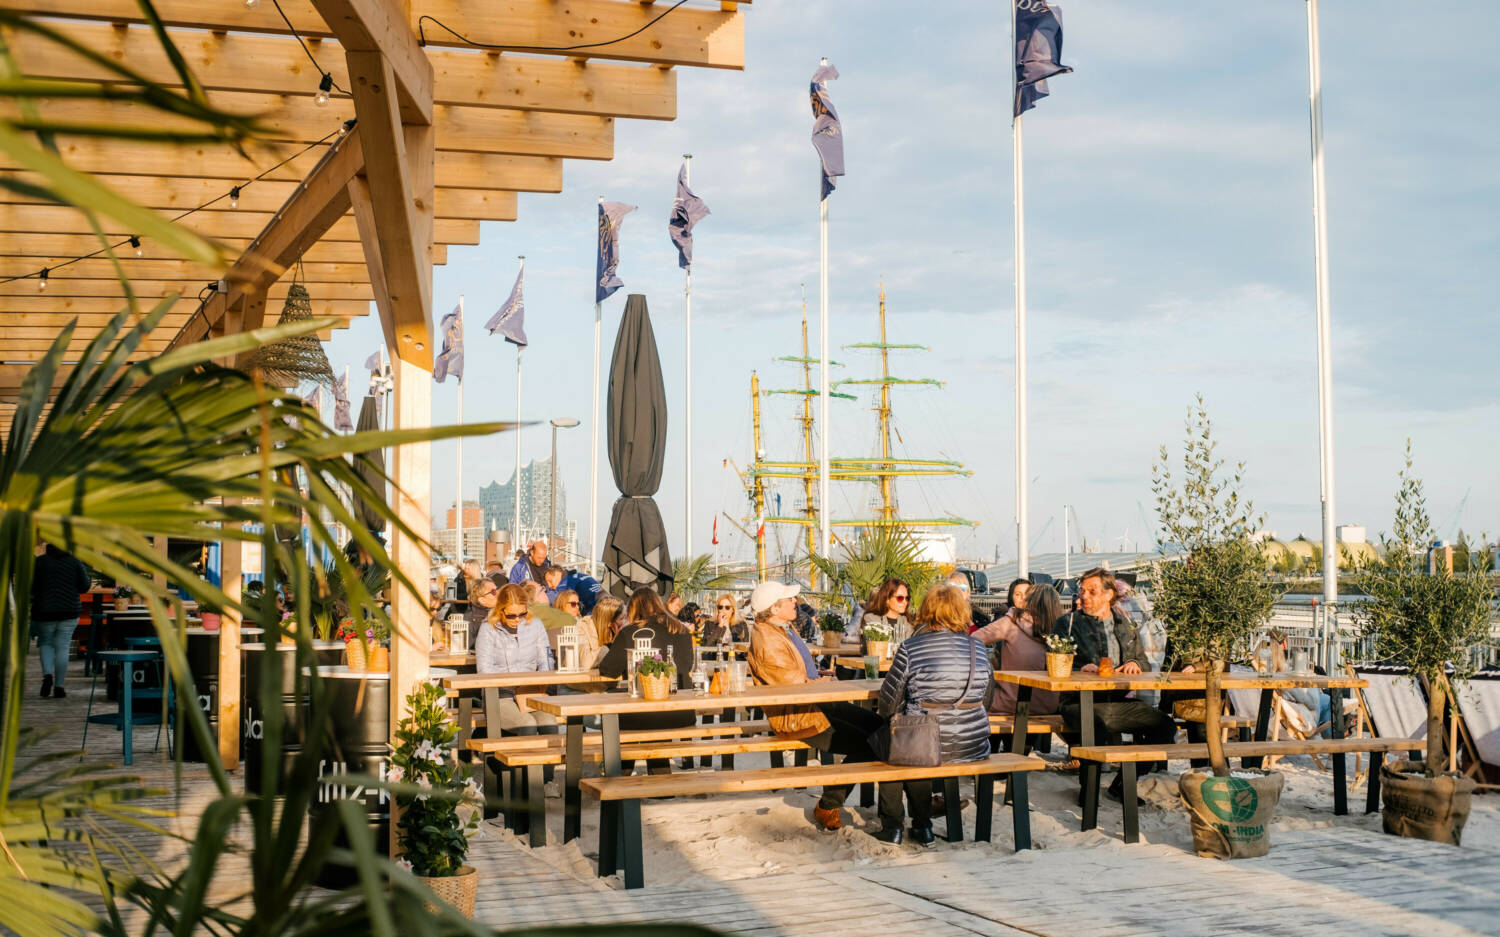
pixel 887 483
pixel 808 481
pixel 760 485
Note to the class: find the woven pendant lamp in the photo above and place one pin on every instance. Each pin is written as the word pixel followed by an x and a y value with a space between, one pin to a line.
pixel 288 363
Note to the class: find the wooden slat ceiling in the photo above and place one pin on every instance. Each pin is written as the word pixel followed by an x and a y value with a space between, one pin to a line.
pixel 503 121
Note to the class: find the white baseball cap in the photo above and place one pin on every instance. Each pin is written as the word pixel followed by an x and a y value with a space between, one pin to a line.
pixel 768 594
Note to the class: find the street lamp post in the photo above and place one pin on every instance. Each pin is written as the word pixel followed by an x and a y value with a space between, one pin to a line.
pixel 562 422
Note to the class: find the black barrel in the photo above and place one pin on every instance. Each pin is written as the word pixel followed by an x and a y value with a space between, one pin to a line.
pixel 253 658
pixel 358 733
pixel 136 622
pixel 203 664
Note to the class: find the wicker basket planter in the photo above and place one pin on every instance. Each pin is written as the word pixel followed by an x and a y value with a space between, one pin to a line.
pixel 456 891
pixel 1059 665
pixel 656 688
pixel 833 639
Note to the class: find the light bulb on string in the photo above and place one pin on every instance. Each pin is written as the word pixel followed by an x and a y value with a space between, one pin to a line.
pixel 347 126
pixel 325 84
pixel 41 283
pixel 251 4
pixel 234 197
pixel 135 242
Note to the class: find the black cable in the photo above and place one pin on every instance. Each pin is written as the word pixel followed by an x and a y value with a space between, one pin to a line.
pixel 422 36
pixel 298 36
pixel 344 128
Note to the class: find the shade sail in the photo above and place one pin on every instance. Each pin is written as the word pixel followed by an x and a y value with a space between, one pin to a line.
pixel 635 549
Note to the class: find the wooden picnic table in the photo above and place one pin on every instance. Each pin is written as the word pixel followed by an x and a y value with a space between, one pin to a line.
pixel 1087 684
pixel 858 663
pixel 609 707
pixel 445 659
pixel 457 685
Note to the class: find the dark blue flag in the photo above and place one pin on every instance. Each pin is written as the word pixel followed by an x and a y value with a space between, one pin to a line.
pixel 510 321
pixel 611 216
pixel 687 210
pixel 451 359
pixel 828 133
pixel 1039 36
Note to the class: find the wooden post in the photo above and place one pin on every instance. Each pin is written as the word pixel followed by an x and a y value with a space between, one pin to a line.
pixel 230 573
pixel 159 546
pixel 411 637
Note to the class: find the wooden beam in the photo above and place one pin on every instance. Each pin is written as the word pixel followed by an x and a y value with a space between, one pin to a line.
pixel 99 269
pixel 93 319
pixel 24 292
pixel 230 568
pixel 57 219
pixel 411 636
pixel 463 78
pixel 690 36
pixel 68 246
pixel 369 232
pixel 380 26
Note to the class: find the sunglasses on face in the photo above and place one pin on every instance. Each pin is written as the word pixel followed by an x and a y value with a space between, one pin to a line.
pixel 726 608
pixel 572 604
pixel 509 617
pixel 900 598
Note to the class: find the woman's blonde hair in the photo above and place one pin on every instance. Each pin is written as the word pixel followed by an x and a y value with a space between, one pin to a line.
pixel 606 610
pixel 510 594
pixel 734 609
pixel 561 602
pixel 945 607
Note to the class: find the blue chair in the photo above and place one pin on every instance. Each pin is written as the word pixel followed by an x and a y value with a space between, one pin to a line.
pixel 127 718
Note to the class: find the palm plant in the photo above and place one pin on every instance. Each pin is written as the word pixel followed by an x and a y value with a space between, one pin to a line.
pixel 885 552
pixel 694 575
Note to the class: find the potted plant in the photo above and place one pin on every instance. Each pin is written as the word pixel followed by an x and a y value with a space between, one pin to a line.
pixel 439 804
pixel 832 628
pixel 656 676
pixel 209 616
pixel 878 640
pixel 1214 600
pixel 1426 621
pixel 1060 650
pixel 365 648
pixel 123 595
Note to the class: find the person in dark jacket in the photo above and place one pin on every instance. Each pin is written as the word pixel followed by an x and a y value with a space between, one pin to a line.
pixel 669 638
pixel 940 669
pixel 1101 630
pixel 57 581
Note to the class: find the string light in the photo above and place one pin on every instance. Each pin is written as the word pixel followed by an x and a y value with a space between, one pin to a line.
pixel 135 242
pixel 325 84
pixel 234 197
pixel 348 125
pixel 41 283
pixel 251 4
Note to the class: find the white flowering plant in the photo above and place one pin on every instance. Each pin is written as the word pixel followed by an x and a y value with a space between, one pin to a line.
pixel 437 795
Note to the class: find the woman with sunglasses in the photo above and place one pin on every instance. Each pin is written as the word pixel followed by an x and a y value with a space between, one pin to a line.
pixel 727 627
pixel 483 594
pixel 512 641
pixel 887 607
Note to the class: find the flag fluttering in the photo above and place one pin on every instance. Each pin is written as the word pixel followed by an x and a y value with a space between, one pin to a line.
pixel 715 541
pixel 510 321
pixel 373 363
pixel 451 359
pixel 342 421
pixel 687 210
pixel 1039 36
pixel 828 133
pixel 611 216
pixel 314 397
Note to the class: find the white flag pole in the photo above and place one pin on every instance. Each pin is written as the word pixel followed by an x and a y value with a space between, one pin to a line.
pixel 687 461
pixel 823 499
pixel 458 499
pixel 1325 363
pixel 1018 189
pixel 594 456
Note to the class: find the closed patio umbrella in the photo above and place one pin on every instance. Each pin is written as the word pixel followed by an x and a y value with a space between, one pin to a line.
pixel 635 549
pixel 371 465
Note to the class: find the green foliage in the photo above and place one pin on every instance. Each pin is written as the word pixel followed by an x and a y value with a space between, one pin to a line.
pixel 439 802
pixel 692 576
pixel 329 599
pixel 870 559
pixel 877 632
pixel 656 666
pixel 828 621
pixel 1216 601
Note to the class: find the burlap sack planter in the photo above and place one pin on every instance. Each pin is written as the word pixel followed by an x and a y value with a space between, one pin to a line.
pixel 1231 816
pixel 1420 807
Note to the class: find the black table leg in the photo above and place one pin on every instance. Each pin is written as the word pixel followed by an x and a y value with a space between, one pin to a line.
pixel 984 806
pixel 536 806
pixel 1088 771
pixel 866 794
pixel 630 839
pixel 706 761
pixel 1262 726
pixel 609 837
pixel 465 722
pixel 572 771
pixel 1132 819
pixel 1020 810
pixel 1340 760
pixel 954 809
pixel 1372 795
pixel 726 762
pixel 1020 731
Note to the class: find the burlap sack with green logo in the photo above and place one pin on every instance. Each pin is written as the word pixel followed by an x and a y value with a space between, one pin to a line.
pixel 1231 816
pixel 1421 807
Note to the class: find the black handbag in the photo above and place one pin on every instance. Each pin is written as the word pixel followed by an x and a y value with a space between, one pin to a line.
pixel 917 740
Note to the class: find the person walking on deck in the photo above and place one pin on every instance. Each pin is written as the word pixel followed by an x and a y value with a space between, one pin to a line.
pixel 57 580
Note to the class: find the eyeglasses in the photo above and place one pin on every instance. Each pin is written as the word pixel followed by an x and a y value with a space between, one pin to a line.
pixel 509 617
pixel 726 608
pixel 900 598
pixel 572 604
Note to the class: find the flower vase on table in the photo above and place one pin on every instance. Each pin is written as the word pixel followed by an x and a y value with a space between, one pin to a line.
pixel 364 649
pixel 1060 651
pixel 656 676
pixel 878 641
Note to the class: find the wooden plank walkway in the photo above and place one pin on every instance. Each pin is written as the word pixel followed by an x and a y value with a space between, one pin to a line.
pixel 1336 879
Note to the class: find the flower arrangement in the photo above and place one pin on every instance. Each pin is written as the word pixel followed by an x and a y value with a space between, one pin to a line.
pixel 655 666
pixel 440 804
pixel 374 632
pixel 1060 644
pixel 828 621
pixel 877 632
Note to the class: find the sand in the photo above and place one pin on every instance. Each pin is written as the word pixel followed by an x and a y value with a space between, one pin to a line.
pixel 729 837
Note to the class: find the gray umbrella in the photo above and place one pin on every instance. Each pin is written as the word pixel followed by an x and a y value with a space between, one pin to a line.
pixel 635 551
pixel 371 465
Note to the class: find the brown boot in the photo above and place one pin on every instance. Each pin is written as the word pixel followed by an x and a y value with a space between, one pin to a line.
pixel 827 820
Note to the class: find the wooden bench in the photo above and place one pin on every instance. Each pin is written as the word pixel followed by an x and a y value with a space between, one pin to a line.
pixel 1035 725
pixel 620 797
pixel 1128 756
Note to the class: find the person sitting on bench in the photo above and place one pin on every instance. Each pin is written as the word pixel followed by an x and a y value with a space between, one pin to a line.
pixel 669 638
pixel 778 657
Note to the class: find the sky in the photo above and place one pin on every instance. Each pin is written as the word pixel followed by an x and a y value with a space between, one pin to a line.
pixel 1169 253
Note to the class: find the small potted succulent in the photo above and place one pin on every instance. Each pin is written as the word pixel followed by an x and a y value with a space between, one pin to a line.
pixel 878 640
pixel 440 802
pixel 1060 651
pixel 656 677
pixel 365 647
pixel 832 628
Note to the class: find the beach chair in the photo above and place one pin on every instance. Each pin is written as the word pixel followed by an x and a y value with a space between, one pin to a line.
pixel 1393 705
pixel 1477 726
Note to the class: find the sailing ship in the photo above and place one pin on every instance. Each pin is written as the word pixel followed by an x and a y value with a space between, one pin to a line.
pixel 881 471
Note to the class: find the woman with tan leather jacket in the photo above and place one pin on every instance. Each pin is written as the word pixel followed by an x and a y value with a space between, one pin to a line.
pixel 778 657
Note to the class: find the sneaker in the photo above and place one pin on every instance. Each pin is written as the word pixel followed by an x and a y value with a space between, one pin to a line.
pixel 889 834
pixel 46 685
pixel 923 836
pixel 827 820
pixel 59 693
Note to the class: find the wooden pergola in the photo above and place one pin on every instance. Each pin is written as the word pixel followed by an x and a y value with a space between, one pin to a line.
pixel 417 134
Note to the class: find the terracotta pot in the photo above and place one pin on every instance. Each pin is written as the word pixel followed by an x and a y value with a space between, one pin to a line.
pixel 210 621
pixel 379 659
pixel 656 688
pixel 833 639
pixel 880 649
pixel 1419 807
pixel 122 604
pixel 355 655
pixel 456 891
pixel 1059 666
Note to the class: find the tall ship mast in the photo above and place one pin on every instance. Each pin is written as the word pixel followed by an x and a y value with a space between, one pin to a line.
pixel 881 470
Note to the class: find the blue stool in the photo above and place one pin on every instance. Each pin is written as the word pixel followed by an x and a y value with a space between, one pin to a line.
pixel 127 718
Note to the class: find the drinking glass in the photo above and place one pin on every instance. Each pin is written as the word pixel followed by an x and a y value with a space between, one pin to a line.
pixel 872 667
pixel 738 671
